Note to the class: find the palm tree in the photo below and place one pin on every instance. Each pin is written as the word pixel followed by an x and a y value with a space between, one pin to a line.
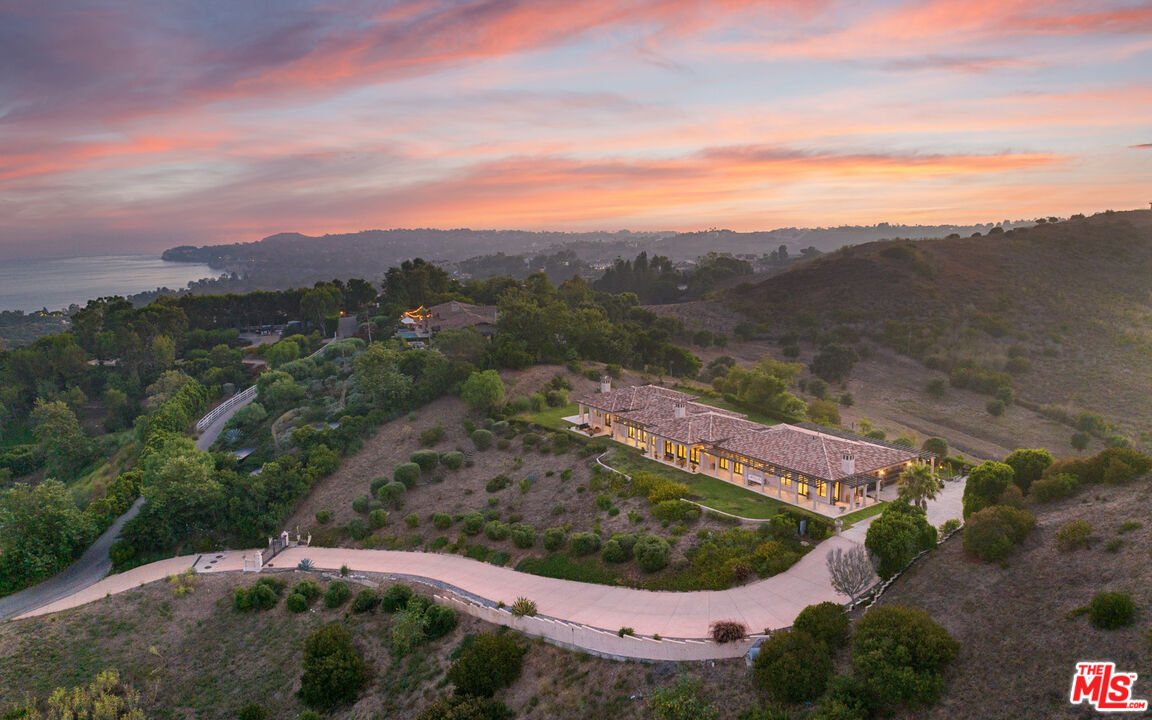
pixel 919 484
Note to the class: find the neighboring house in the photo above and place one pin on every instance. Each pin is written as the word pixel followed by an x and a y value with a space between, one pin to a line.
pixel 829 472
pixel 456 315
pixel 414 325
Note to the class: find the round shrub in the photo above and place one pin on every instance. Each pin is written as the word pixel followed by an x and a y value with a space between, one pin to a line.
pixel 1055 486
pixel 452 460
pixel 473 523
pixel 486 664
pixel 1111 610
pixel 426 459
pixel 439 621
pixel 323 516
pixel 498 483
pixel 361 504
pixel 1073 535
pixel 441 521
pixel 496 530
pixel 338 594
pixel 793 666
pixel 377 483
pixel 392 494
pixel 396 597
pixel 898 535
pixel 357 529
pixel 367 600
pixel 500 428
pixel 523 535
pixel 584 543
pixel 407 473
pixel 310 590
pixel 252 711
pixel 992 533
pixel 378 518
pixel 554 538
pixel 651 553
pixel 670 511
pixel 901 653
pixel 614 552
pixel 296 603
pixel 825 621
pixel 726 631
pixel 482 439
pixel 334 670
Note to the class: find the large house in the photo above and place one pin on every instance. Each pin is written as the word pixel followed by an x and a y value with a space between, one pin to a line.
pixel 422 323
pixel 805 465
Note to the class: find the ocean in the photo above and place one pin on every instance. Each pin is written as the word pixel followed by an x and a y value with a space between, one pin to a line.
pixel 55 284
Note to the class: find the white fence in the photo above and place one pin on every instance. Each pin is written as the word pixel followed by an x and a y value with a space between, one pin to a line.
pixel 238 399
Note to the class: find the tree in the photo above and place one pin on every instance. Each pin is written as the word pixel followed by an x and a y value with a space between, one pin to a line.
pixel 852 572
pixel 483 391
pixel 64 444
pixel 681 701
pixel 826 621
pixel 898 535
pixel 163 352
pixel 919 484
pixel 319 303
pixel 985 484
pixel 41 531
pixel 936 446
pixel 334 670
pixel 486 664
pixel 1080 441
pixel 377 374
pixel 1028 464
pixel 834 362
pixel 900 652
pixel 282 352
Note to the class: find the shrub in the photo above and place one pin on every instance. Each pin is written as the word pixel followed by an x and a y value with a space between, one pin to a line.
pixel 439 621
pixel 615 552
pixel 496 530
pixel 334 670
pixel 338 593
pixel 1054 487
pixel 651 553
pixel 367 600
pixel 897 536
pixel 900 653
pixel 523 606
pixel 441 521
pixel 682 701
pixel 826 622
pixel 296 603
pixel 584 543
pixel 473 523
pixel 407 473
pixel 252 711
pixel 1111 610
pixel 995 408
pixel 936 446
pixel 465 707
pixel 949 527
pixel 726 631
pixel 992 533
pixel 985 484
pixel 310 590
pixel 485 664
pixel 625 631
pixel 603 501
pixel 432 435
pixel 1073 535
pixel 554 538
pixel 523 535
pixel 323 516
pixel 426 459
pixel 452 460
pixel 482 439
pixel 396 598
pixel 793 666
pixel 378 518
pixel 671 511
pixel 357 529
pixel 498 483
pixel 361 504
pixel 392 494
pixel 412 520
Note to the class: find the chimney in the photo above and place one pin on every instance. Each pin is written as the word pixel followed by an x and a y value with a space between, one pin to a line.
pixel 679 410
pixel 605 383
pixel 848 463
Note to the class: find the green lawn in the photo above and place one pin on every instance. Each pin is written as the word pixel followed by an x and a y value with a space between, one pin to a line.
pixel 551 417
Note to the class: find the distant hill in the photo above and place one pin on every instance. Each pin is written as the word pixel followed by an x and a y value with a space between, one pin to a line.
pixel 293 258
pixel 1060 312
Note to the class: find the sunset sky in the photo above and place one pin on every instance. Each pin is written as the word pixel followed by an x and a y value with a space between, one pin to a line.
pixel 142 124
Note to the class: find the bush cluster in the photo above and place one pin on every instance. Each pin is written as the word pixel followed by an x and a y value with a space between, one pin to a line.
pixel 486 663
pixel 992 533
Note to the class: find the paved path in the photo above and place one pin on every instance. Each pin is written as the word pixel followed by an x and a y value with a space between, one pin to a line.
pixel 92 565
pixel 948 505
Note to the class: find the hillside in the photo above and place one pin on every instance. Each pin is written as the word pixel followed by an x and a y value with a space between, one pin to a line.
pixel 1059 314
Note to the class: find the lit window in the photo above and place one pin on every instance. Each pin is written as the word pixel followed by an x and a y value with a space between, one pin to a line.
pixel 738 468
pixel 802 489
pixel 681 451
pixel 631 432
pixel 667 447
pixel 723 463
pixel 695 456
pixel 822 488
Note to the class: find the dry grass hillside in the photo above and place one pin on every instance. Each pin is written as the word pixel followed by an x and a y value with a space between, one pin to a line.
pixel 1070 301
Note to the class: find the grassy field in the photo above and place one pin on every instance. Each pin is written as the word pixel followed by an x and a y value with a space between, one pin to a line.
pixel 551 417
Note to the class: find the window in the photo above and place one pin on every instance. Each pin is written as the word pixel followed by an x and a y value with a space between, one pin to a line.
pixel 802 489
pixel 821 488
pixel 695 455
pixel 723 463
pixel 738 468
pixel 643 436
pixel 681 452
pixel 668 448
pixel 631 432
pixel 786 479
pixel 607 420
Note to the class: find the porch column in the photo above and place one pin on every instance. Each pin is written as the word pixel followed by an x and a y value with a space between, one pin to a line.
pixel 583 418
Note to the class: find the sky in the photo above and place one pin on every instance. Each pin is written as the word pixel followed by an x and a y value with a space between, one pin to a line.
pixel 136 125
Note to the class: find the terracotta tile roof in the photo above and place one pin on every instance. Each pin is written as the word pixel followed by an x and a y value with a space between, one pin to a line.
pixel 704 427
pixel 812 453
pixel 634 398
pixel 457 315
